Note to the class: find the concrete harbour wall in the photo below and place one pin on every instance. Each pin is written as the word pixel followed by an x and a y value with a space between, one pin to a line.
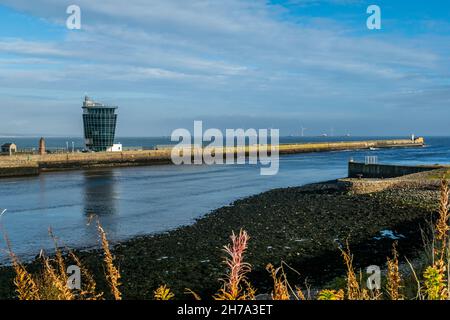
pixel 362 170
pixel 19 171
pixel 27 164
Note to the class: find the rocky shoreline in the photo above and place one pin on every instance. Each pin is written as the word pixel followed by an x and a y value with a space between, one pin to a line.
pixel 302 226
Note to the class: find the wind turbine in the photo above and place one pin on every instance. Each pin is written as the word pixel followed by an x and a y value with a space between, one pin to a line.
pixel 303 131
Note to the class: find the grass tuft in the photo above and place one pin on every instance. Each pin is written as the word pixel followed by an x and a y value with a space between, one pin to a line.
pixel 112 273
pixel 236 286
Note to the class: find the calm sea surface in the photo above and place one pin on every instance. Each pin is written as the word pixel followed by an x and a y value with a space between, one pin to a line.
pixel 144 200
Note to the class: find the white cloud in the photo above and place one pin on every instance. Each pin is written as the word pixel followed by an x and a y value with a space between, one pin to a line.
pixel 33 48
pixel 219 56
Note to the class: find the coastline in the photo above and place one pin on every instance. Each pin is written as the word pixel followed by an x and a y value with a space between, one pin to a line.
pixel 303 226
pixel 33 164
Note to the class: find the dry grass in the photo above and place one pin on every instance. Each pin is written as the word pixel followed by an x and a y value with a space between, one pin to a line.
pixel 436 277
pixel 112 273
pixel 52 282
pixel 163 293
pixel 354 289
pixel 280 283
pixel 442 227
pixel 394 278
pixel 193 294
pixel 26 286
pixel 89 291
pixel 57 281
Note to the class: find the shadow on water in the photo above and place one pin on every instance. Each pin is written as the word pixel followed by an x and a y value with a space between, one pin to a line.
pixel 100 201
pixel 100 193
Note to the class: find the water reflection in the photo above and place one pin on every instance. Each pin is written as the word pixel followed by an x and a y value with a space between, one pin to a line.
pixel 100 201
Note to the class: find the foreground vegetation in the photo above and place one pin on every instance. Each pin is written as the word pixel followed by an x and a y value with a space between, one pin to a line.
pixel 430 282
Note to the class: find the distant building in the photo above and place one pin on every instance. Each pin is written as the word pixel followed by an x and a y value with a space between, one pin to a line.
pixel 99 125
pixel 117 147
pixel 9 148
pixel 42 149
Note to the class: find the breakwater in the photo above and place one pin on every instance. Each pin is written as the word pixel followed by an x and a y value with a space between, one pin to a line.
pixel 23 165
pixel 350 145
pixel 19 170
pixel 363 170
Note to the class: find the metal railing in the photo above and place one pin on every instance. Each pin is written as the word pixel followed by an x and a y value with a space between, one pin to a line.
pixel 371 160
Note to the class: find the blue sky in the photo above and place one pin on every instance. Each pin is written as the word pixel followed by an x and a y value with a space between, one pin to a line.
pixel 234 63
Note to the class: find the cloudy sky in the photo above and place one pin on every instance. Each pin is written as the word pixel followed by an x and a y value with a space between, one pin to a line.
pixel 234 63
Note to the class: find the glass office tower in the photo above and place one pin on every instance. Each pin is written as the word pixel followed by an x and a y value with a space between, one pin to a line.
pixel 99 125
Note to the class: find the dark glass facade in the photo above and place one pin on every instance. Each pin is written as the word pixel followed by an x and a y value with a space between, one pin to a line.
pixel 99 125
